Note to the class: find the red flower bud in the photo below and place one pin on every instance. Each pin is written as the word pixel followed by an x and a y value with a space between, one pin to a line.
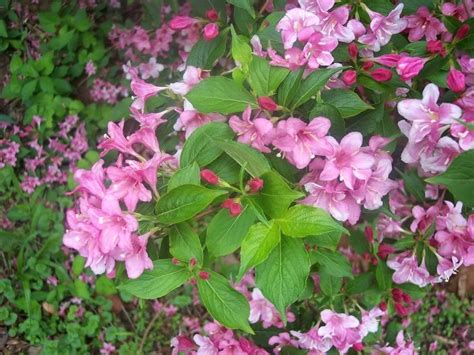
pixel 212 15
pixel 234 208
pixel 406 298
pixel 349 77
pixel 434 243
pixel 181 22
pixel 383 306
pixel 369 234
pixel 436 47
pixel 192 262
pixel 462 32
pixel 211 31
pixel 353 50
pixel 358 346
pixel 397 295
pixel 381 74
pixel 203 275
pixel 456 80
pixel 374 260
pixel 367 65
pixel 385 250
pixel 255 185
pixel 401 310
pixel 209 176
pixel 175 261
pixel 267 103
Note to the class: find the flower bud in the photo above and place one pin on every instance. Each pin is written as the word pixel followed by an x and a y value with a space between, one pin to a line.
pixel 175 261
pixel 211 31
pixel 435 47
pixel 255 185
pixel 381 74
pixel 383 306
pixel 401 310
pixel 209 176
pixel 369 234
pixel 374 260
pixel 358 346
pixel 181 22
pixel 385 250
pixel 267 103
pixel 367 65
pixel 456 80
pixel 409 67
pixel 234 208
pixel 397 295
pixel 389 60
pixel 203 275
pixel 192 262
pixel 212 15
pixel 353 50
pixel 349 77
pixel 434 243
pixel 462 32
pixel 406 298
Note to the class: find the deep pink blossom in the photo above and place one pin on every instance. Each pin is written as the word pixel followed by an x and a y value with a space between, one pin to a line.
pixel 423 24
pixel 456 80
pixel 410 67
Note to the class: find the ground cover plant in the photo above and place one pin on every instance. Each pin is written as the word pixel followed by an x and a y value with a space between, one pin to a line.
pixel 275 176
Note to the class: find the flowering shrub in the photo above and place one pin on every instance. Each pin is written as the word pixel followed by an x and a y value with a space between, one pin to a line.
pixel 302 168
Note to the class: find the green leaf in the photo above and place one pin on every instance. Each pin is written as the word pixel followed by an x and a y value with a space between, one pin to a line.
pixel 3 29
pixel 366 123
pixel 257 246
pixel 164 278
pixel 185 244
pixel 246 5
pixel 254 162
pixel 282 277
pixel 347 102
pixel 329 284
pixel 405 243
pixel 220 94
pixel 241 50
pixel 301 221
pixel 264 78
pixel 78 265
pixel 414 184
pixel 184 202
pixel 46 84
pixel 225 233
pixel 226 168
pixel 28 89
pixel 189 175
pixel 314 83
pixel 268 34
pixel 224 304
pixel 360 283
pixel 459 178
pixel 383 275
pixel 334 263
pixel 15 63
pixel 205 53
pixel 328 240
pixel 81 21
pixel 276 196
pixel 200 147
pixel 105 286
pixel 289 88
pixel 338 125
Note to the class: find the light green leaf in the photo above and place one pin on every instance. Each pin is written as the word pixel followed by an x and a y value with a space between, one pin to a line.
pixel 188 175
pixel 459 178
pixel 254 162
pixel 225 233
pixel 328 240
pixel 312 84
pixel 257 246
pixel 164 278
pixel 185 244
pixel 220 94
pixel 184 202
pixel 241 50
pixel 347 102
pixel 289 87
pixel 264 78
pixel 334 263
pixel 200 147
pixel 282 277
pixel 224 304
pixel 276 196
pixel 301 221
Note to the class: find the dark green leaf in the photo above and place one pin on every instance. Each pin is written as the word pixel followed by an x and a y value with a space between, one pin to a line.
pixel 347 102
pixel 289 87
pixel 334 263
pixel 205 53
pixel 185 244
pixel 189 175
pixel 264 78
pixel 383 275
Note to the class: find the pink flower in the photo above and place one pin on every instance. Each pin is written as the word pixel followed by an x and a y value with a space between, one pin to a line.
pixel 297 24
pixel 438 159
pixel 318 50
pixel 403 347
pixel 423 24
pixel 333 25
pixel 423 219
pixel 143 91
pixel 447 268
pixel 149 120
pixel 115 140
pixel 137 260
pixel 369 321
pixel 349 77
pixel 409 67
pixel 456 80
pixel 127 184
pixel 382 28
pixel 211 31
pixel 257 132
pixel 262 309
pixel 299 141
pixel 407 270
pixel 294 58
pixel 340 328
pixel 381 74
pixel 463 133
pixel 311 340
pixel 182 22
pixel 181 344
pixel 346 160
pixel 205 345
pixel 191 77
pixel 190 119
pixel 91 181
pixel 151 69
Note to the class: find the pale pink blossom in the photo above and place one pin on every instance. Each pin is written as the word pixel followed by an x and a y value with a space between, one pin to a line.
pixel 318 50
pixel 190 119
pixel 340 328
pixel 191 77
pixel 312 340
pixel 297 25
pixel 151 69
pixel 407 270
